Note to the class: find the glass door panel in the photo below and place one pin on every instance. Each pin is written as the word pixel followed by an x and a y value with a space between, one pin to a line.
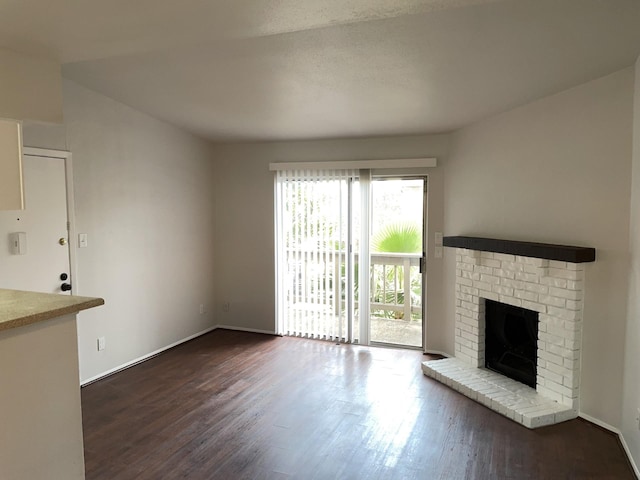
pixel 396 252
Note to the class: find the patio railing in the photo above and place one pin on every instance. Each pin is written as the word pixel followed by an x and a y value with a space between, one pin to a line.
pixel 395 288
pixel 396 284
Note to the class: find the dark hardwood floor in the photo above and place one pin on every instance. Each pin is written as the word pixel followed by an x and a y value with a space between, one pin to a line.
pixel 234 405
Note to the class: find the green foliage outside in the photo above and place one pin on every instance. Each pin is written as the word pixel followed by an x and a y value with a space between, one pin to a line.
pixel 395 238
pixel 398 238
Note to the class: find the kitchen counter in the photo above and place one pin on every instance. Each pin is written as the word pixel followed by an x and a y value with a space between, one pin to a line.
pixel 40 404
pixel 19 308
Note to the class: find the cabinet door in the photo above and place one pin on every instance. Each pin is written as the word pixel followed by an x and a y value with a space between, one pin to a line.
pixel 11 186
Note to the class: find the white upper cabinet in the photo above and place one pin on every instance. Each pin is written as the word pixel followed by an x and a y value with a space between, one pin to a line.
pixel 11 184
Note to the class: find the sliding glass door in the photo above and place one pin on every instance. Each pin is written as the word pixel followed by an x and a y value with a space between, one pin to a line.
pixel 337 276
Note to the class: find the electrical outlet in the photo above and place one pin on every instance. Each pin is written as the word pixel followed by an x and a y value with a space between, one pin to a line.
pixel 102 343
pixel 226 306
pixel 202 309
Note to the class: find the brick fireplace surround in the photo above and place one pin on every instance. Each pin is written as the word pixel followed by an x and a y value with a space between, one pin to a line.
pixel 553 287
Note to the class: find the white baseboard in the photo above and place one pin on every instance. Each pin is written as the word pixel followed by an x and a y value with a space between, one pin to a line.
pixel 631 461
pixel 144 357
pixel 243 329
pixel 600 423
pixel 617 431
pixel 437 352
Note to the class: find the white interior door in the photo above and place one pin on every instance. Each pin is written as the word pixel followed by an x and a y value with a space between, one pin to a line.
pixel 45 256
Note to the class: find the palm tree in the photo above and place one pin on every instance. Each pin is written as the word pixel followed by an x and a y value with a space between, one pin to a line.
pixel 396 238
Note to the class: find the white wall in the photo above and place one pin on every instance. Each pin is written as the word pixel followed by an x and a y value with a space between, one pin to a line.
pixel 244 220
pixel 631 395
pixel 30 88
pixel 557 171
pixel 144 194
pixel 44 135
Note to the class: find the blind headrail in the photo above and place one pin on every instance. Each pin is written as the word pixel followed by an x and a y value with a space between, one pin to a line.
pixel 426 162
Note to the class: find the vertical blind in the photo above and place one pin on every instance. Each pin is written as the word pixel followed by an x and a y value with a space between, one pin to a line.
pixel 314 254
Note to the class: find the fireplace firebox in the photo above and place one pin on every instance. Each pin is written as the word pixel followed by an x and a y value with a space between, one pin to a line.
pixel 511 339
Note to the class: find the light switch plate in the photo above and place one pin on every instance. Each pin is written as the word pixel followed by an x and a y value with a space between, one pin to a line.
pixel 83 240
pixel 438 239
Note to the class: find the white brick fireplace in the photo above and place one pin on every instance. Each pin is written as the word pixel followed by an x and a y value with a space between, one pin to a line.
pixel 554 289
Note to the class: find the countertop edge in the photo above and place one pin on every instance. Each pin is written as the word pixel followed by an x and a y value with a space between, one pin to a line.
pixel 30 318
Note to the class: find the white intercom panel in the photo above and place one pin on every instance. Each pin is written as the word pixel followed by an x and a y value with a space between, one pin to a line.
pixel 18 243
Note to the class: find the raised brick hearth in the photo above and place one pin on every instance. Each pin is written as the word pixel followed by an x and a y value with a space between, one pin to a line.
pixel 553 288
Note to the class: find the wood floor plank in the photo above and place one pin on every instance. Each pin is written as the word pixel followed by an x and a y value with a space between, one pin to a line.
pixel 241 405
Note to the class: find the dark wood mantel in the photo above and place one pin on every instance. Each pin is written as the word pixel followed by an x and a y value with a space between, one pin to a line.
pixel 564 253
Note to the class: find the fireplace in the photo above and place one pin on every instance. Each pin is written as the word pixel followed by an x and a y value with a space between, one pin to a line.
pixel 546 280
pixel 511 341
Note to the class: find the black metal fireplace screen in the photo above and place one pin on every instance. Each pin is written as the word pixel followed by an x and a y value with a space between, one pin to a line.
pixel 511 341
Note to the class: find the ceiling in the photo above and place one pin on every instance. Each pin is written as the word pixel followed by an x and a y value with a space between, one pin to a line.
pixel 246 70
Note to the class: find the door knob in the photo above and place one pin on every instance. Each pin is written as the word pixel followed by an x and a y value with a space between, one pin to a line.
pixel 65 287
pixel 62 241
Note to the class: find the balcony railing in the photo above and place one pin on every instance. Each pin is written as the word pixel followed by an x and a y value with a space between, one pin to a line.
pixel 396 284
pixel 316 281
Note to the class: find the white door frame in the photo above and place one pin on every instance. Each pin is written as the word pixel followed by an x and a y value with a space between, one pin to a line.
pixel 71 230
